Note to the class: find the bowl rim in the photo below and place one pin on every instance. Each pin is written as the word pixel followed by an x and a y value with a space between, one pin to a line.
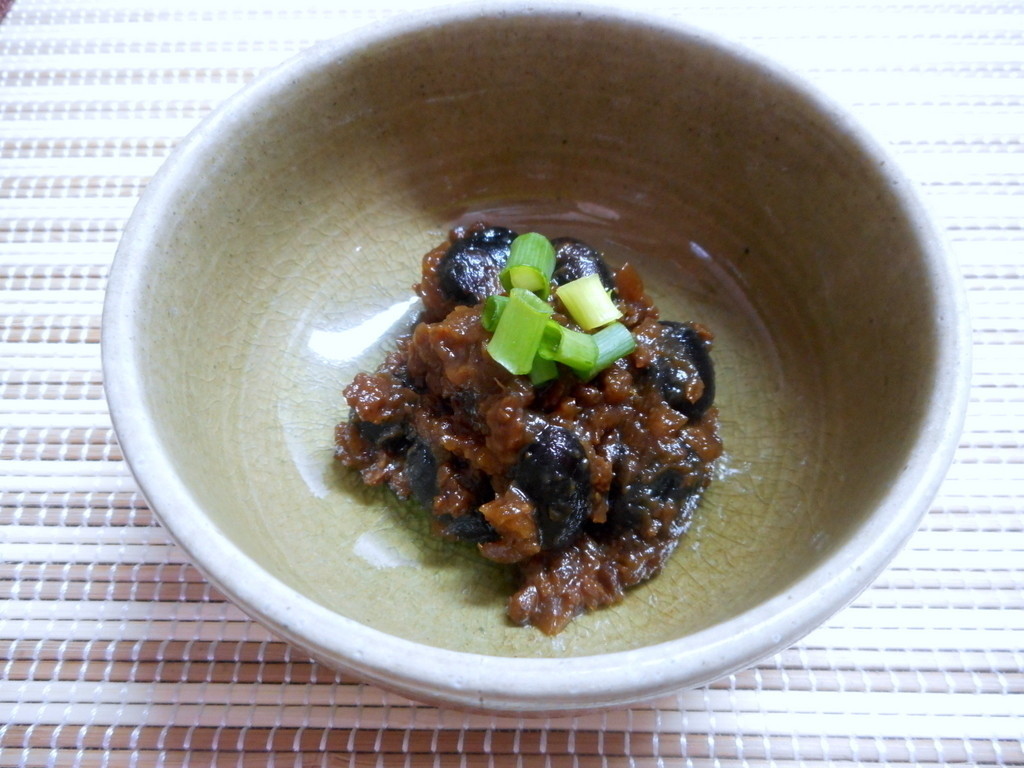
pixel 515 685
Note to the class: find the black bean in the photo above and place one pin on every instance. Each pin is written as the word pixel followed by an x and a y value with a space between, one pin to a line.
pixel 466 403
pixel 468 272
pixel 471 527
pixel 493 236
pixel 554 473
pixel 574 259
pixel 421 471
pixel 643 498
pixel 389 436
pixel 683 359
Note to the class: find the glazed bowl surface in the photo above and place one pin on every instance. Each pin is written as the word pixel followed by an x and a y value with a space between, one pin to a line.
pixel 272 258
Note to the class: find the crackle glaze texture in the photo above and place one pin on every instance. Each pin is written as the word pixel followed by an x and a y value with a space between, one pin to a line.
pixel 274 258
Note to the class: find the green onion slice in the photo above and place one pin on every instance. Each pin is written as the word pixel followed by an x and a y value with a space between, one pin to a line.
pixel 494 305
pixel 519 331
pixel 533 300
pixel 542 371
pixel 588 302
pixel 572 348
pixel 613 341
pixel 530 263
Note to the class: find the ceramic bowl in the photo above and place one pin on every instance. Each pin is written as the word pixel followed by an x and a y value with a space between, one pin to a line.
pixel 273 256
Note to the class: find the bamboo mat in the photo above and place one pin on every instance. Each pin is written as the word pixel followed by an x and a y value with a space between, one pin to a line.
pixel 115 651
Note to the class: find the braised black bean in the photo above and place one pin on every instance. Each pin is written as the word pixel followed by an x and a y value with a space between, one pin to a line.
pixel 421 471
pixel 471 527
pixel 575 259
pixel 469 271
pixel 671 487
pixel 389 436
pixel 554 473
pixel 489 236
pixel 683 360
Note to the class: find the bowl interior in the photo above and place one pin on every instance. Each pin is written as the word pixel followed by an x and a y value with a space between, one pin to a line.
pixel 283 264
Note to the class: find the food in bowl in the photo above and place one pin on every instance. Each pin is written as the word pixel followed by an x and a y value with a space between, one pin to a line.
pixel 577 457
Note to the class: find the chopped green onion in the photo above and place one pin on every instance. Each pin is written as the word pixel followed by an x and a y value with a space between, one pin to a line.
pixel 612 341
pixel 534 301
pixel 588 302
pixel 519 330
pixel 526 340
pixel 572 348
pixel 529 278
pixel 494 305
pixel 530 263
pixel 542 371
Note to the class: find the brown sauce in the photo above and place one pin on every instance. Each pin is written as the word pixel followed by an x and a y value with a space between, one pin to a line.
pixel 584 487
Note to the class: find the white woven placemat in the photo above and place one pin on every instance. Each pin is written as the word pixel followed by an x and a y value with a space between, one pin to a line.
pixel 114 651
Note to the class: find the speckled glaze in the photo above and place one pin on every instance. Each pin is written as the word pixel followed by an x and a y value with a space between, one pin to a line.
pixel 272 258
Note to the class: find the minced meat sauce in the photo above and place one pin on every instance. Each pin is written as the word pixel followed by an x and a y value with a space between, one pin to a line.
pixel 584 487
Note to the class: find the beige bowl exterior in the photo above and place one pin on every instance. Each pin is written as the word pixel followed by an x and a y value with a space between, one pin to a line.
pixel 272 258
